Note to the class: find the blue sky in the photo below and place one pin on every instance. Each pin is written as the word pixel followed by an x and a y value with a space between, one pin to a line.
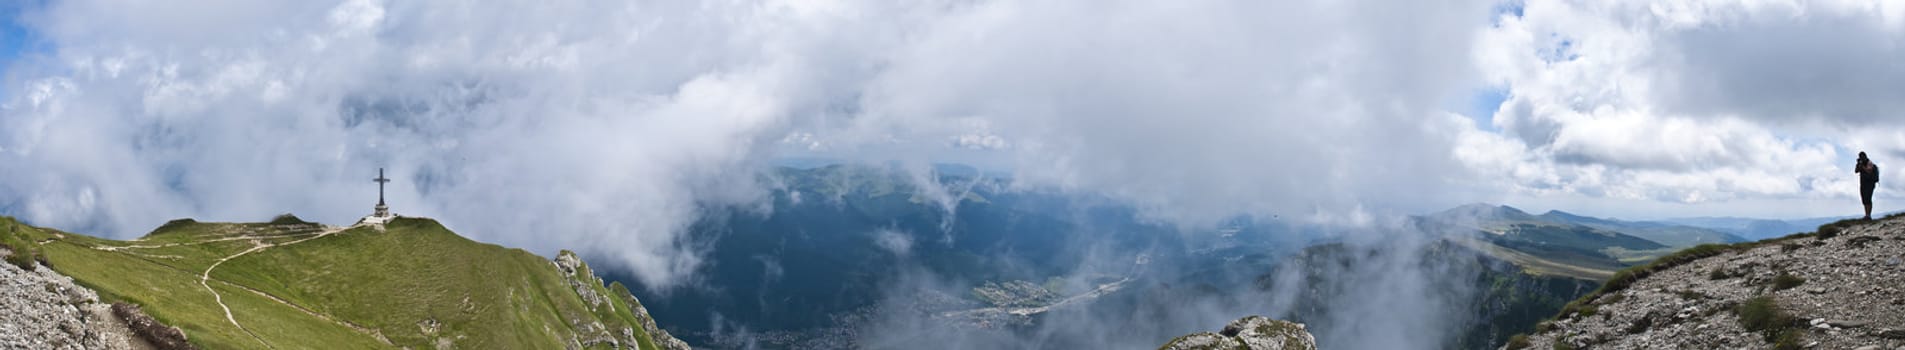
pixel 1481 106
pixel 15 39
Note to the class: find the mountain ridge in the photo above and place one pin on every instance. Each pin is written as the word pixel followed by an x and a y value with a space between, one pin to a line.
pixel 405 283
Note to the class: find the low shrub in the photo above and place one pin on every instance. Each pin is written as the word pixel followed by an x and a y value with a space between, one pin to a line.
pixel 1763 314
pixel 1789 340
pixel 19 258
pixel 1832 229
pixel 1719 273
pixel 1517 342
pixel 1589 310
pixel 1786 281
pixel 22 261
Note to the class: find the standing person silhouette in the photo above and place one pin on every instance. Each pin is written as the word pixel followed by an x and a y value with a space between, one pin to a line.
pixel 1868 179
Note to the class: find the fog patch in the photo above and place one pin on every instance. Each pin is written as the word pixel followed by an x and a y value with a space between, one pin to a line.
pixel 898 243
pixel 1386 286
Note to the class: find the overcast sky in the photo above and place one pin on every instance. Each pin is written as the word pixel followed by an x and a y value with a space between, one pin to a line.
pixel 603 125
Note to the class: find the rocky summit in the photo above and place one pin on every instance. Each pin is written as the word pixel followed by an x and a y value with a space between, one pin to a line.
pixel 1842 287
pixel 1253 332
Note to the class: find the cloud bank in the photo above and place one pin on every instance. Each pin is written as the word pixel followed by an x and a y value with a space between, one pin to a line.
pixel 1694 102
pixel 606 126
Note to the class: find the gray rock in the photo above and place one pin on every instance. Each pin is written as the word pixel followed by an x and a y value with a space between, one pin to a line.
pixel 1891 334
pixel 1866 311
pixel 42 309
pixel 1252 333
pixel 1847 323
pixel 1202 341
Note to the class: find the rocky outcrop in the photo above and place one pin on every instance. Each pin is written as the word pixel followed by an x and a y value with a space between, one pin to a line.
pixel 588 287
pixel 161 336
pixel 1253 333
pixel 661 337
pixel 1838 290
pixel 41 309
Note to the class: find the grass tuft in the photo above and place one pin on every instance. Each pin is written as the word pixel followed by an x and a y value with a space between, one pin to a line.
pixel 1562 345
pixel 24 255
pixel 1786 281
pixel 1763 314
pixel 1517 342
pixel 1789 340
pixel 1834 228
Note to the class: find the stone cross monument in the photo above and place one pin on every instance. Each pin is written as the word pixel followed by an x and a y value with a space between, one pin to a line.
pixel 382 211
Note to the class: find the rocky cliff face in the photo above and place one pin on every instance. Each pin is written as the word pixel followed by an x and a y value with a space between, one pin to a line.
pixel 584 281
pixel 40 309
pixel 1841 288
pixel 1253 333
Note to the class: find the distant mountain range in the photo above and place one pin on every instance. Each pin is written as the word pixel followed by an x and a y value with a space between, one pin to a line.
pixel 1756 229
pixel 1671 234
pixel 1574 245
pixel 856 256
pixel 846 247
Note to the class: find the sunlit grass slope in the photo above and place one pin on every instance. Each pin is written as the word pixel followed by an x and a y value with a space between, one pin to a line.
pixel 294 285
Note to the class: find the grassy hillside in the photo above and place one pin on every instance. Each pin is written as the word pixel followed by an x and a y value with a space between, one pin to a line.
pixel 1672 235
pixel 289 284
pixel 1559 243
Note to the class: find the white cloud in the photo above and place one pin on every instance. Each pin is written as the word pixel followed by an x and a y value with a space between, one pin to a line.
pixel 1689 101
pixel 898 243
pixel 605 126
pixel 1284 108
pixel 594 126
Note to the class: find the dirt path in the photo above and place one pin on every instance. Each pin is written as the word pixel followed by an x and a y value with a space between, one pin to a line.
pixel 205 278
pixel 226 239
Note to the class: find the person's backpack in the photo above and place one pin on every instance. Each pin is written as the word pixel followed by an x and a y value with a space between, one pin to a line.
pixel 1875 172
